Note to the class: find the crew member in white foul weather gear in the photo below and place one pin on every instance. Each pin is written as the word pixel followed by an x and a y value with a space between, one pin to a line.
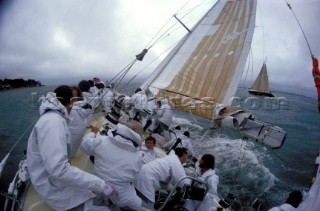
pixel 160 170
pixel 147 150
pixel 139 101
pixel 59 184
pixel 117 161
pixel 205 171
pixel 291 203
pixel 78 119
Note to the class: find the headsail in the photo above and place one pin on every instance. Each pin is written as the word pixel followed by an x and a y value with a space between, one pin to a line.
pixel 206 66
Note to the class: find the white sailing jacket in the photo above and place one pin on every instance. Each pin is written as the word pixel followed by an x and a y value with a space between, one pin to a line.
pixel 148 155
pixel 165 114
pixel 185 142
pixel 92 99
pixel 159 170
pixel 108 98
pixel 285 207
pixel 212 179
pixel 61 185
pixel 139 100
pixel 117 163
pixel 78 122
pixel 207 203
pixel 311 200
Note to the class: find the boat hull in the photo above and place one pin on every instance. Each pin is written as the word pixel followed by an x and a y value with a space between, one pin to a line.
pixel 256 92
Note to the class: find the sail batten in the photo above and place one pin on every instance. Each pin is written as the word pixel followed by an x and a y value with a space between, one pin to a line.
pixel 210 63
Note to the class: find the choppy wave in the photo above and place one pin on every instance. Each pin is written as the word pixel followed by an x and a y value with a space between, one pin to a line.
pixel 249 170
pixel 187 124
pixel 240 167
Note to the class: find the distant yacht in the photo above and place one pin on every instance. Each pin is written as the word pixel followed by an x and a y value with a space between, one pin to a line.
pixel 261 84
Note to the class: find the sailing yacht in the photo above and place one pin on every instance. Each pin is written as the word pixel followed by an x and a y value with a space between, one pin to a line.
pixel 261 84
pixel 202 73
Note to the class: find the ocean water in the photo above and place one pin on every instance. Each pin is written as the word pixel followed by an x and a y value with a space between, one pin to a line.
pixel 246 169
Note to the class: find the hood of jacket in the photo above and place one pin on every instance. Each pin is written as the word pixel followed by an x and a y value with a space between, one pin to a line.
pixel 141 92
pixel 51 103
pixel 164 101
pixel 130 134
pixel 208 173
pixel 125 135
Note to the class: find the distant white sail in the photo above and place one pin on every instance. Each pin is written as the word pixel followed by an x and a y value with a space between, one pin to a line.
pixel 205 68
pixel 261 84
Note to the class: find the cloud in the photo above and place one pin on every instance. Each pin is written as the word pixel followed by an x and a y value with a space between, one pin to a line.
pixel 54 41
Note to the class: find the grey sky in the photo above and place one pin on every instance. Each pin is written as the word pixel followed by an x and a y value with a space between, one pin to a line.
pixel 64 41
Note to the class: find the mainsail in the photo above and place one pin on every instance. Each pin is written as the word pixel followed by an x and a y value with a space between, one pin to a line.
pixel 261 84
pixel 205 68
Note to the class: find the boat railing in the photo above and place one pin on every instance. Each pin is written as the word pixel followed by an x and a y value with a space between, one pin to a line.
pixel 8 198
pixel 192 183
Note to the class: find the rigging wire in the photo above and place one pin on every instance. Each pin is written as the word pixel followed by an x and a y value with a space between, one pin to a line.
pixel 143 69
pixel 251 67
pixel 118 78
pixel 151 44
pixel 20 137
pixel 198 5
pixel 263 37
pixel 165 33
pixel 128 67
pixel 316 168
pixel 4 160
pixel 251 54
pixel 173 28
pixel 250 60
pixel 305 37
pixel 123 70
pixel 121 75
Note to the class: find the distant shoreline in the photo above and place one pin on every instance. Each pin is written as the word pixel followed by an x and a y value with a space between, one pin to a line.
pixel 12 89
